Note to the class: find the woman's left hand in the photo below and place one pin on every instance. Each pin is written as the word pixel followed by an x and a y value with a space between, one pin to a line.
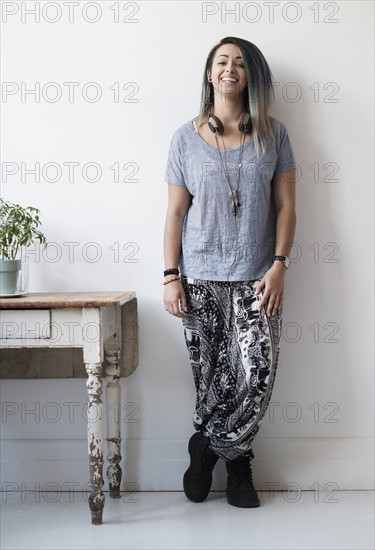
pixel 273 284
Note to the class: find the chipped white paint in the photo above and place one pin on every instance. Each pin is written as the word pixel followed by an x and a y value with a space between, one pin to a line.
pixel 18 325
pixel 95 440
pixel 113 395
pixel 93 329
pixel 112 351
pixel 42 328
pixel 92 335
pixel 93 358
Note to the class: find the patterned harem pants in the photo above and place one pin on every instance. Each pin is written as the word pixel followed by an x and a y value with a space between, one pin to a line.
pixel 234 351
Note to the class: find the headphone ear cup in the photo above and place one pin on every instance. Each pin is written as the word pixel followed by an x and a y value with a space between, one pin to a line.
pixel 215 125
pixel 244 124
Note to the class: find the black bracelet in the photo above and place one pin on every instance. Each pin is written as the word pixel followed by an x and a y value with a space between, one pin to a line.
pixel 171 271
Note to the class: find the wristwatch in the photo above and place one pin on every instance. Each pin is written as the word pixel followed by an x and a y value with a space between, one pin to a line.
pixel 284 259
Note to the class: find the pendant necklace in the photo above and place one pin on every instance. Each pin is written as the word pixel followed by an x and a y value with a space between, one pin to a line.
pixel 233 192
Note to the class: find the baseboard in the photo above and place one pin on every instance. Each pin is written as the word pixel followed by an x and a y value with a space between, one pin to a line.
pixel 158 465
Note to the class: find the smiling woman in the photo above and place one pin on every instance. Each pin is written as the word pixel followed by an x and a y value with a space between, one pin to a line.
pixel 252 88
pixel 229 229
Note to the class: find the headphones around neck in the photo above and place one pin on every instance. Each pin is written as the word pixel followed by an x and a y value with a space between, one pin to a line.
pixel 244 124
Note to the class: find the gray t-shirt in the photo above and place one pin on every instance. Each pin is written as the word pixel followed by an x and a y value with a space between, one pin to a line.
pixel 216 245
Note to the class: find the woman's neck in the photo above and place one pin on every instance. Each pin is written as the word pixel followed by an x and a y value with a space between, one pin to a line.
pixel 228 112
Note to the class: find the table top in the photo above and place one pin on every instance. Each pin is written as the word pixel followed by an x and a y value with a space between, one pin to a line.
pixel 40 300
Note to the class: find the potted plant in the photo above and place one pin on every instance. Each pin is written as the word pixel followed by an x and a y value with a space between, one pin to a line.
pixel 18 228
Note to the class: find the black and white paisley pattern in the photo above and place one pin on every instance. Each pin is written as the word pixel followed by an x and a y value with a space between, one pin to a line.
pixel 234 350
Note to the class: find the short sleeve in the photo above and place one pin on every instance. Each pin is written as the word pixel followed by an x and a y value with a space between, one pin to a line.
pixel 174 172
pixel 285 157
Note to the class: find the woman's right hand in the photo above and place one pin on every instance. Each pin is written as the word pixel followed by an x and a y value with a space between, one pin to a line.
pixel 173 294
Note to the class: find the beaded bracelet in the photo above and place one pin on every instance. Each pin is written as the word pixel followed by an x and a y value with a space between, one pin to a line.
pixel 171 280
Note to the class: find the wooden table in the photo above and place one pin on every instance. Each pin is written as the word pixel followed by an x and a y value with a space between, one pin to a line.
pixel 92 321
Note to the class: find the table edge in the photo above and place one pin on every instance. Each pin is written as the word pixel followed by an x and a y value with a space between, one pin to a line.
pixel 12 304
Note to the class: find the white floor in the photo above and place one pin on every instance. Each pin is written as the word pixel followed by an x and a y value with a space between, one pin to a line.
pixel 167 520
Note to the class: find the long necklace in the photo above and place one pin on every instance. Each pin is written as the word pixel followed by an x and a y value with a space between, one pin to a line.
pixel 233 195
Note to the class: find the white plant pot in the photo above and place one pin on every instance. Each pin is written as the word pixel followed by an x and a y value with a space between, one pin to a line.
pixel 9 273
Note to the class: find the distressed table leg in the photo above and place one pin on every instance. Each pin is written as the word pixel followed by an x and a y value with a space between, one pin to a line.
pixel 113 397
pixel 95 440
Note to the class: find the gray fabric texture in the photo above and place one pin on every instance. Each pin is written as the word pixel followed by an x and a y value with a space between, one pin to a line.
pixel 216 245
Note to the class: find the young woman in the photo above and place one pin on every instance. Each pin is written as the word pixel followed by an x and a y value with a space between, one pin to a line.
pixel 229 228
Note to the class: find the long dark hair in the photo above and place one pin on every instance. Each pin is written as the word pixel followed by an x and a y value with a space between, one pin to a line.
pixel 258 94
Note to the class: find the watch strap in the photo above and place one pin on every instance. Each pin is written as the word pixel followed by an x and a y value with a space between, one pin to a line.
pixel 283 259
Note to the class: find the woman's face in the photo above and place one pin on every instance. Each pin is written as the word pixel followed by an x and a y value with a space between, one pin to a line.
pixel 228 71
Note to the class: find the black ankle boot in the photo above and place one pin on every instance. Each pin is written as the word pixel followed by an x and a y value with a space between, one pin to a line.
pixel 198 477
pixel 240 489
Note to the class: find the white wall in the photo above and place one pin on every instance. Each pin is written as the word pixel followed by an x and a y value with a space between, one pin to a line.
pixel 319 426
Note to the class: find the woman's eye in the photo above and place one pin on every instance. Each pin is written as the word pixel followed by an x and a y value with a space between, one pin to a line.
pixel 223 63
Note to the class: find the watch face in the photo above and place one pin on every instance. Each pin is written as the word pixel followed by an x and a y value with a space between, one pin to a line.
pixel 287 261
